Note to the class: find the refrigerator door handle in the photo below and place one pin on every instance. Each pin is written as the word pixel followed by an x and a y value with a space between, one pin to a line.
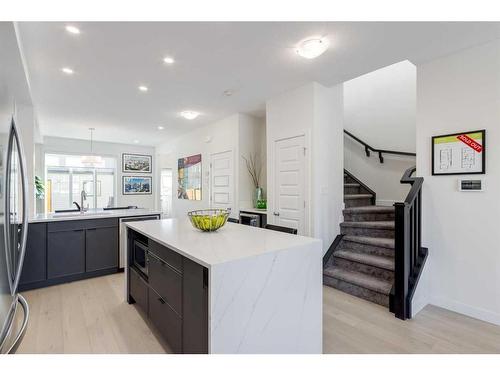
pixel 25 203
pixel 14 270
pixel 8 215
pixel 17 340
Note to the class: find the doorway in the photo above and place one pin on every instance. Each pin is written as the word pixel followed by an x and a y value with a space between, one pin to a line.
pixel 166 192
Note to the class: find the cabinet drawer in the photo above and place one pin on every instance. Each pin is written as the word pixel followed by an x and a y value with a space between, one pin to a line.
pixel 170 257
pixel 101 223
pixel 166 282
pixel 166 321
pixel 59 226
pixel 138 289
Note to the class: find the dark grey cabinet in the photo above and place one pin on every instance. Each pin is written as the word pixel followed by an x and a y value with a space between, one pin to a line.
pixel 195 308
pixel 166 281
pixel 65 253
pixel 35 260
pixel 101 248
pixel 166 321
pixel 177 298
pixel 138 289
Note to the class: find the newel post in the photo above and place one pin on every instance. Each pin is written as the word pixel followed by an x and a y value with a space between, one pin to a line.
pixel 401 260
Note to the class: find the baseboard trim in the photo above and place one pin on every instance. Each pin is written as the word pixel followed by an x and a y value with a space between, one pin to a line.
pixel 471 311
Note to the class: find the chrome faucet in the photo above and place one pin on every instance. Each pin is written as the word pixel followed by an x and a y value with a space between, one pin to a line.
pixel 83 198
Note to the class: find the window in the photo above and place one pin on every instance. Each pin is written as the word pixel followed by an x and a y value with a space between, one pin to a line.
pixel 68 175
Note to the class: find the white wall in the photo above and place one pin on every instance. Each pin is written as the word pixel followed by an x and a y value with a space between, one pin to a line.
pixel 79 146
pixel 457 93
pixel 315 112
pixel 239 133
pixel 251 140
pixel 380 109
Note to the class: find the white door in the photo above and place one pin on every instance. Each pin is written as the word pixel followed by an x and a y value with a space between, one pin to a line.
pixel 166 192
pixel 222 180
pixel 289 199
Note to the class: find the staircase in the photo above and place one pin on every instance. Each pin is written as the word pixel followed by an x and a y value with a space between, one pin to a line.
pixel 363 262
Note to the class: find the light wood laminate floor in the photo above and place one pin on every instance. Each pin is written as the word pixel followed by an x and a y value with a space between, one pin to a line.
pixel 91 316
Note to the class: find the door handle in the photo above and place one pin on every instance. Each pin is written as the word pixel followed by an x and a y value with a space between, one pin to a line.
pixel 14 137
pixel 276 213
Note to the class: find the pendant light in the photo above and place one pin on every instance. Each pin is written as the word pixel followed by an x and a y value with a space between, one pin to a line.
pixel 91 160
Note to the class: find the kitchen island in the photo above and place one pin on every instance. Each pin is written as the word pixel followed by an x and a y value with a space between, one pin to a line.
pixel 238 290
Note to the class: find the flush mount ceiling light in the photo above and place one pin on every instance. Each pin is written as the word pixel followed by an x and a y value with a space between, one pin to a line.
pixel 189 115
pixel 160 127
pixel 143 88
pixel 67 70
pixel 168 60
pixel 312 47
pixel 136 141
pixel 72 29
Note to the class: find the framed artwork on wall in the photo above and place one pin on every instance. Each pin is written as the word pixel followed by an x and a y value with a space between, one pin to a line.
pixel 189 178
pixel 135 163
pixel 136 185
pixel 459 153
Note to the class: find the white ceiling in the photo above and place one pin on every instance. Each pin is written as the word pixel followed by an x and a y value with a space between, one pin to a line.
pixel 255 60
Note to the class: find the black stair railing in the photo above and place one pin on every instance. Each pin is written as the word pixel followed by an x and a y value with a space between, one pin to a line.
pixel 409 255
pixel 369 148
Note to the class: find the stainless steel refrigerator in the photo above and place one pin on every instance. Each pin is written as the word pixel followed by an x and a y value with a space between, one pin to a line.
pixel 14 310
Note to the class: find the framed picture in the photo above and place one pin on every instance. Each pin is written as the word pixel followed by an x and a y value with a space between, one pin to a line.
pixel 134 163
pixel 189 178
pixel 459 153
pixel 137 185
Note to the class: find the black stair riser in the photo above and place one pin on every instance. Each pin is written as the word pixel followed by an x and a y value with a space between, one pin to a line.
pixel 357 291
pixel 372 216
pixel 357 202
pixel 367 232
pixel 366 249
pixel 367 269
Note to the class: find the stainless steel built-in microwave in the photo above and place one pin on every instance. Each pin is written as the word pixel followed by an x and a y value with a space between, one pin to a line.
pixel 140 256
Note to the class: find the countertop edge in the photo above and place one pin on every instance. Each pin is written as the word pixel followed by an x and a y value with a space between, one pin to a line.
pixel 210 265
pixel 35 220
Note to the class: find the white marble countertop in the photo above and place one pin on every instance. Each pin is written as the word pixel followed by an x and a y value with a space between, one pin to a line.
pixel 92 214
pixel 231 242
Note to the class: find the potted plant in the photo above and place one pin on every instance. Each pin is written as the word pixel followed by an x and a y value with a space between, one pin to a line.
pixel 39 188
pixel 254 168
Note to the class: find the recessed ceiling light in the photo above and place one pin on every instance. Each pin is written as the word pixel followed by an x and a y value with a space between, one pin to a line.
pixel 160 127
pixel 72 29
pixel 312 47
pixel 136 141
pixel 189 115
pixel 68 71
pixel 143 88
pixel 228 92
pixel 168 60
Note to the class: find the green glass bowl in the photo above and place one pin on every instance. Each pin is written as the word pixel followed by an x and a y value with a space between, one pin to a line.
pixel 208 220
